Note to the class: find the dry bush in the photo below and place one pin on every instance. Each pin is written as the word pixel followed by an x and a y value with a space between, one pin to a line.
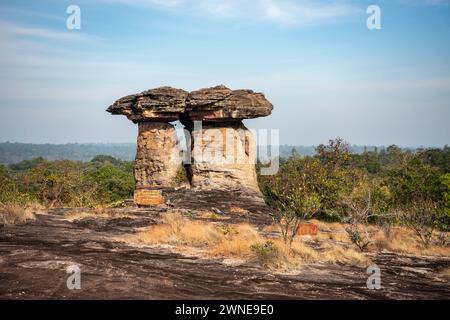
pixel 268 254
pixel 276 254
pixel 12 213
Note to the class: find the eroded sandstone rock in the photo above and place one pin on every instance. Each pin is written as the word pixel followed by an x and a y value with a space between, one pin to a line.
pixel 224 157
pixel 158 158
pixel 221 103
pixel 162 104
pixel 223 150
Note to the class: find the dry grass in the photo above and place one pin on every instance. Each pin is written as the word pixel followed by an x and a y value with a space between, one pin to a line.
pixel 228 241
pixel 340 236
pixel 178 230
pixel 245 242
pixel 11 213
pixel 338 254
pixel 272 228
pixel 404 241
pixel 300 253
pixel 236 241
pixel 241 241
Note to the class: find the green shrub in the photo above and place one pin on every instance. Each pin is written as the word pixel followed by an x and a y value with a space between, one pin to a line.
pixel 266 254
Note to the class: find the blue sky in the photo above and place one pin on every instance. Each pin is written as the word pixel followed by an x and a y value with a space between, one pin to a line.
pixel 325 72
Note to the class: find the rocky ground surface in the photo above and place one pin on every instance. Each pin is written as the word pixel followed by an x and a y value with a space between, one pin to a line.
pixel 34 258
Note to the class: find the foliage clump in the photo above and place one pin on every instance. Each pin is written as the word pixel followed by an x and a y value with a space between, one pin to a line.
pixel 67 183
pixel 386 187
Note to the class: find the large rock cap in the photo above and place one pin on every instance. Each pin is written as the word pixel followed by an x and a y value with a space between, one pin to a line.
pixel 167 104
pixel 221 103
pixel 160 104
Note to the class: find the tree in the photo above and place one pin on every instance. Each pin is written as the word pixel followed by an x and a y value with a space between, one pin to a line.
pixel 360 210
pixel 421 215
pixel 335 154
pixel 445 217
pixel 413 179
pixel 113 183
pixel 292 193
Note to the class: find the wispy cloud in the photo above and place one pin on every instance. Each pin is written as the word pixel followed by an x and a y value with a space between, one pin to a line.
pixel 280 12
pixel 17 30
pixel 425 2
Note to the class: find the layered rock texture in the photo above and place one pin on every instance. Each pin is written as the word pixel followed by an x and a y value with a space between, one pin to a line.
pixel 158 158
pixel 223 150
pixel 224 157
pixel 221 104
pixel 162 104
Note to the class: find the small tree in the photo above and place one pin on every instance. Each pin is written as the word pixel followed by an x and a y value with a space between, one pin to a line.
pixel 293 195
pixel 422 217
pixel 360 209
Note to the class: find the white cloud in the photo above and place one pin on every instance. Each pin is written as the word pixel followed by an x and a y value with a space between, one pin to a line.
pixel 16 30
pixel 304 12
pixel 281 12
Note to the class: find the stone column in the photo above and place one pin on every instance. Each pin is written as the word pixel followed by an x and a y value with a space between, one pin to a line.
pixel 224 150
pixel 224 157
pixel 158 160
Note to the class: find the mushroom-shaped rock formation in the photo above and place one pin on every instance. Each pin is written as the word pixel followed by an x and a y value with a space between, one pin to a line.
pixel 223 149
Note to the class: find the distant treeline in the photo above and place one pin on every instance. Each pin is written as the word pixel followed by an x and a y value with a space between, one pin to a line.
pixel 16 152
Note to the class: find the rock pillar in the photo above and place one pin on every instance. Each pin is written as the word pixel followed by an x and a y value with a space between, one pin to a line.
pixel 224 157
pixel 158 161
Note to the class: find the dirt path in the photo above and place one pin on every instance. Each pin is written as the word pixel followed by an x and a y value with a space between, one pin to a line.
pixel 34 258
